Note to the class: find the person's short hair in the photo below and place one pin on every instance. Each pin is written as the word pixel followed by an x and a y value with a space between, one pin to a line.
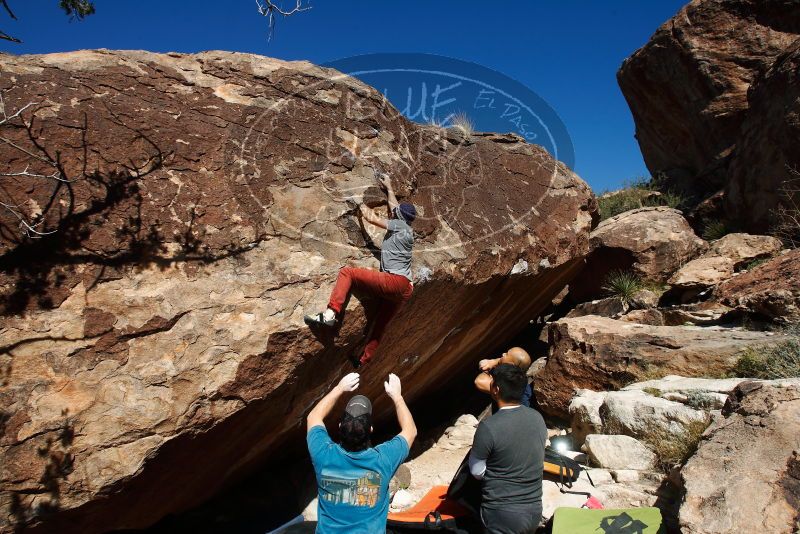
pixel 510 381
pixel 354 432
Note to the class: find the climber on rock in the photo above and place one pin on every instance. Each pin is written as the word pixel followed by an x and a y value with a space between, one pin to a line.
pixel 515 356
pixel 392 284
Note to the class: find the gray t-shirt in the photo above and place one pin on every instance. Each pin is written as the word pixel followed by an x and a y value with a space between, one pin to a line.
pixel 512 444
pixel 396 248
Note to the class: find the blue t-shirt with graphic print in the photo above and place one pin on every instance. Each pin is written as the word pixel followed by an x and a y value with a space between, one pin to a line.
pixel 353 487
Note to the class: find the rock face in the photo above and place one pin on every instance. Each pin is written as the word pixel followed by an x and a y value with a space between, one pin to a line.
pixel 744 248
pixel 599 353
pixel 768 148
pixel 771 289
pixel 153 348
pixel 745 476
pixel 687 88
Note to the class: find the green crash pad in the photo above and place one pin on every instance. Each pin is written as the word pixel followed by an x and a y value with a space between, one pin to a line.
pixel 624 521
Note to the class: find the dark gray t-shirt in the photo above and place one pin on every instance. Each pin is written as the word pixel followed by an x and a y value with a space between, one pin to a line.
pixel 512 443
pixel 396 248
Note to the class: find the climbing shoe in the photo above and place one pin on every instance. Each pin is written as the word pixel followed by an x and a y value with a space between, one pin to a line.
pixel 318 319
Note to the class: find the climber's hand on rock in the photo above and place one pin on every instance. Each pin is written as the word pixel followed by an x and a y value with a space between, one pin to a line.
pixel 383 179
pixel 392 387
pixel 349 382
pixel 365 211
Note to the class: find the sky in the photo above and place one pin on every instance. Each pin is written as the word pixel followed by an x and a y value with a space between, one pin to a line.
pixel 567 52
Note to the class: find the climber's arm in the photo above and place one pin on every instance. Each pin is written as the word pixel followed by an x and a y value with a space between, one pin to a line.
pixel 316 417
pixel 408 429
pixel 386 183
pixel 371 217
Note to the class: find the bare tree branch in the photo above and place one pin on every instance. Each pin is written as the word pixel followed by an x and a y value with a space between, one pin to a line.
pixel 787 214
pixel 30 225
pixel 24 173
pixel 27 228
pixel 4 36
pixel 8 9
pixel 269 8
pixel 6 118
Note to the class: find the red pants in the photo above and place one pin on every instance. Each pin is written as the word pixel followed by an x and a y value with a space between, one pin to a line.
pixel 393 290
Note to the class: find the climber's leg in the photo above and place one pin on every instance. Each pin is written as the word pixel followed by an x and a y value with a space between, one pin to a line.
pixel 348 278
pixel 396 290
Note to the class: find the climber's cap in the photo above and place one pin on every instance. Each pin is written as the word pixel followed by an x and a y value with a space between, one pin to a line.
pixel 358 406
pixel 407 211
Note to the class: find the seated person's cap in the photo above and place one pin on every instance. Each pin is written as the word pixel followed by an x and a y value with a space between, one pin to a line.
pixel 358 406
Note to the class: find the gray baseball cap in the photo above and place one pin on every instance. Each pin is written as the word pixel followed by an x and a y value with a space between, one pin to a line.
pixel 358 405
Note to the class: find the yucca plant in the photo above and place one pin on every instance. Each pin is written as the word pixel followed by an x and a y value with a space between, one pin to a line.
pixel 622 284
pixel 715 229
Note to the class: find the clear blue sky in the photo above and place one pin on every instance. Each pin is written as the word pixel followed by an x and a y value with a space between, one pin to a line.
pixel 566 51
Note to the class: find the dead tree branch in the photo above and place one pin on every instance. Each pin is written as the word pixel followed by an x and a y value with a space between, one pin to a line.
pixel 11 14
pixel 787 214
pixel 30 225
pixel 269 9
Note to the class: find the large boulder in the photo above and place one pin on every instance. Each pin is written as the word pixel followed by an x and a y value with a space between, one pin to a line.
pixel 651 242
pixel 640 414
pixel 771 289
pixel 183 212
pixel 767 159
pixel 687 88
pixel 744 248
pixel 745 475
pixel 658 239
pixel 599 353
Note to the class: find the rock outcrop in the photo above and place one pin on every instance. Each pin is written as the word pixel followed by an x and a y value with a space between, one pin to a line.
pixel 651 242
pixel 619 452
pixel 745 475
pixel 688 92
pixel 767 159
pixel 599 353
pixel 658 239
pixel 188 210
pixel 771 289
pixel 721 261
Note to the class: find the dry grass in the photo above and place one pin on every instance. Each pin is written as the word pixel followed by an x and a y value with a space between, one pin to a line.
pixel 462 121
pixel 674 448
pixel 771 362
